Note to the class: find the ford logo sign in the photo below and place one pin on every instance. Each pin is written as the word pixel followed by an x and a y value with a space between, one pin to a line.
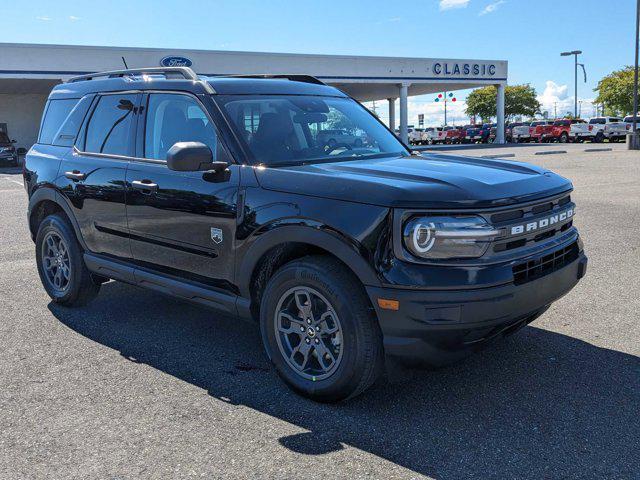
pixel 174 61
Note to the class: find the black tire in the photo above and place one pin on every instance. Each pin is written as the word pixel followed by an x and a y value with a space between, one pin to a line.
pixel 564 138
pixel 599 137
pixel 362 357
pixel 80 288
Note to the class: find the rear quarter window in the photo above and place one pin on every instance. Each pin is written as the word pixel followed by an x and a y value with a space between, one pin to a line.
pixel 66 135
pixel 55 114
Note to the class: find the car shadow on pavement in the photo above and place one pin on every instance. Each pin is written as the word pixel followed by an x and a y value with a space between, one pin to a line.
pixel 536 405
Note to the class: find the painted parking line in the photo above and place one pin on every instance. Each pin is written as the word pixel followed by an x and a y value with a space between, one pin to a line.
pixel 598 149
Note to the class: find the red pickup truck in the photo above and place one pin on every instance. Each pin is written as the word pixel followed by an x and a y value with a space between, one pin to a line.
pixel 539 128
pixel 566 130
pixel 453 134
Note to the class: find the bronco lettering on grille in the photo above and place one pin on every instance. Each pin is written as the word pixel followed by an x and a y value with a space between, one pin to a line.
pixel 542 223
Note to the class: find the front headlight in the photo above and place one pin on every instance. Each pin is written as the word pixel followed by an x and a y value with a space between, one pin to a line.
pixel 441 237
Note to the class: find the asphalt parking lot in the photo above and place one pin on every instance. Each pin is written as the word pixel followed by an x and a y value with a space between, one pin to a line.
pixel 138 385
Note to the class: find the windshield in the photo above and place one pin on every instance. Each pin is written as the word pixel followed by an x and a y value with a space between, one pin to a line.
pixel 289 129
pixel 4 138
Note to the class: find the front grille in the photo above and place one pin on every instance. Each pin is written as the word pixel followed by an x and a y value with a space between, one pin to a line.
pixel 524 215
pixel 533 269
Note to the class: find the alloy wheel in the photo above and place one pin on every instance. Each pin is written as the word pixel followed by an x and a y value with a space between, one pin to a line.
pixel 308 333
pixel 56 262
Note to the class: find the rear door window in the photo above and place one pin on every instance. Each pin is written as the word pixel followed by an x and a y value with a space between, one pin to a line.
pixel 110 128
pixel 56 113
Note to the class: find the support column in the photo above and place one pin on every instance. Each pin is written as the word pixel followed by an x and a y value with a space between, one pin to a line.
pixel 500 114
pixel 404 113
pixel 392 113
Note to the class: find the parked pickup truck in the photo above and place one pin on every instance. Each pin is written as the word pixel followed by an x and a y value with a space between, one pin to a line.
pixel 473 133
pixel 434 135
pixel 539 128
pixel 566 130
pixel 520 132
pixel 453 134
pixel 611 128
pixel 629 121
pixel 415 136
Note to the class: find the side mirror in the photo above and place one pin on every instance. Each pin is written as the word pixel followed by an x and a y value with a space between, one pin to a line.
pixel 13 140
pixel 21 151
pixel 192 157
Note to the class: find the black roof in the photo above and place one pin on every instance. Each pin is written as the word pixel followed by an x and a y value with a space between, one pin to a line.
pixel 184 79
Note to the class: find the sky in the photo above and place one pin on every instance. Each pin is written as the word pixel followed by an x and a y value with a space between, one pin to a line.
pixel 529 34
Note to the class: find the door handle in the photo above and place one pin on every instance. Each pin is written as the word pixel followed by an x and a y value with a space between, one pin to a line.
pixel 75 175
pixel 145 185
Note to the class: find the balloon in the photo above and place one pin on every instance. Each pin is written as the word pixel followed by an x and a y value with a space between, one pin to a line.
pixel 453 99
pixel 439 95
pixel 437 99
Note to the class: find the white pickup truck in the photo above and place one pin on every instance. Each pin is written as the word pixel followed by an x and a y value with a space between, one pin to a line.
pixel 520 132
pixel 629 121
pixel 611 128
pixel 416 136
pixel 433 135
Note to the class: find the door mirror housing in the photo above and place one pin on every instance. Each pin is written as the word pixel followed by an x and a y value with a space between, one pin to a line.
pixel 192 157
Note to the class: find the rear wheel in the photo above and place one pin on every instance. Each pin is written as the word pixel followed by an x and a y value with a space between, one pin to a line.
pixel 320 331
pixel 564 138
pixel 61 267
pixel 599 137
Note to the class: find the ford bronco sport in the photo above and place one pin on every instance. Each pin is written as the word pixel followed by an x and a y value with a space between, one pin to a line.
pixel 219 191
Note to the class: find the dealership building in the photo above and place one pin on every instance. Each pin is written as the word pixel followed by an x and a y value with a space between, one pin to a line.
pixel 29 72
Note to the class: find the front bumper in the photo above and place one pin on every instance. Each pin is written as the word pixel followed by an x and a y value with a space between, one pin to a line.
pixel 441 326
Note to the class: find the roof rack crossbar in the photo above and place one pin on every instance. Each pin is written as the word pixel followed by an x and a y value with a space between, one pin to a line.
pixel 293 77
pixel 185 72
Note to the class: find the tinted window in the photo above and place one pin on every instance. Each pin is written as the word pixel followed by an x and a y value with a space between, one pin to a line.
pixel 597 121
pixel 297 128
pixel 56 113
pixel 109 130
pixel 173 118
pixel 66 135
pixel 4 138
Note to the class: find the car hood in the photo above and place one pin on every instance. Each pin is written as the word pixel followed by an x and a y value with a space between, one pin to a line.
pixel 430 181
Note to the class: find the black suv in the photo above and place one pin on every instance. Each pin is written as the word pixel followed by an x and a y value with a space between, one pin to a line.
pixel 8 152
pixel 219 191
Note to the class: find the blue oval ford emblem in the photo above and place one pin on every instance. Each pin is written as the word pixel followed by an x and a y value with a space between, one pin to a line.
pixel 174 61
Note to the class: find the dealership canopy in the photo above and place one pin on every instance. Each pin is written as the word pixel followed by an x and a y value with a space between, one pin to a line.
pixel 28 72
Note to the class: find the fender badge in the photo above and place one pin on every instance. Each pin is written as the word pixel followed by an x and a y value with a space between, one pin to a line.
pixel 216 235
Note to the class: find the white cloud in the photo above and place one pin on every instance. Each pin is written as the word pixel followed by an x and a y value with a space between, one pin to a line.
pixel 43 18
pixel 556 101
pixel 449 4
pixel 433 111
pixel 492 7
pixel 73 18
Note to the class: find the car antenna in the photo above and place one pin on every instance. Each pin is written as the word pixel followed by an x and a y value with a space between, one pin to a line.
pixel 125 63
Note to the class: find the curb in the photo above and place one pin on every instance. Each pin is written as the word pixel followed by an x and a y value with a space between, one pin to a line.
pixel 550 152
pixel 598 149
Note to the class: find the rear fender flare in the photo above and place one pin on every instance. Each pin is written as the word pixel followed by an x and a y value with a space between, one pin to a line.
pixel 52 195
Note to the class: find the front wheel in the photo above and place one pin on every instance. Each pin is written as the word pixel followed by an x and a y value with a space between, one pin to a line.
pixel 61 267
pixel 319 330
pixel 564 138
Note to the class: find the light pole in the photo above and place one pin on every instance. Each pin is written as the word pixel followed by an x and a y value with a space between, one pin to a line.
pixel 575 54
pixel 634 133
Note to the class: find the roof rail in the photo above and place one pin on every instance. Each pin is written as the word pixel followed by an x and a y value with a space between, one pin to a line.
pixel 293 78
pixel 169 72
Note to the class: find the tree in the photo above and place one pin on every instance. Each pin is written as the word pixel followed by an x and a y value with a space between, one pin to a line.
pixel 615 91
pixel 518 100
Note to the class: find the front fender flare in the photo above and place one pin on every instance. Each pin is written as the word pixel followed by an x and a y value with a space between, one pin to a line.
pixel 340 247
